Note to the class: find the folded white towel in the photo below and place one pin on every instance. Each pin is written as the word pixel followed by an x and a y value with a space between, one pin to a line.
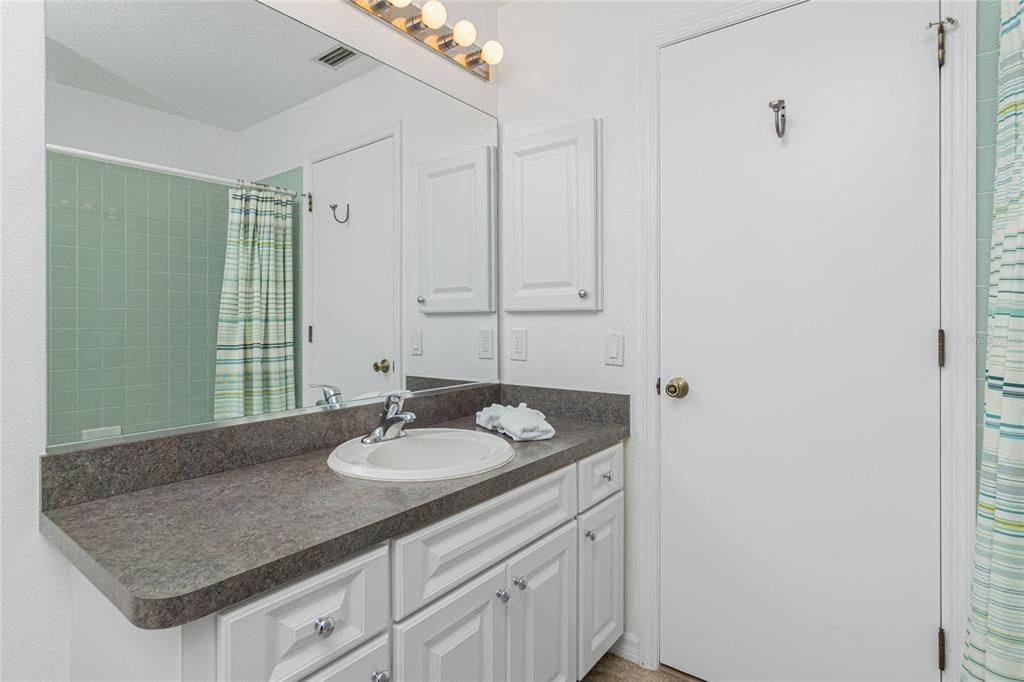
pixel 518 423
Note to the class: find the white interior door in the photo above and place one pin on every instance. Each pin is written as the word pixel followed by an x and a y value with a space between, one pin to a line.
pixel 799 298
pixel 353 272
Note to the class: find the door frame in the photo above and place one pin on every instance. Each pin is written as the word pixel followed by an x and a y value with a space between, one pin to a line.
pixel 957 380
pixel 391 131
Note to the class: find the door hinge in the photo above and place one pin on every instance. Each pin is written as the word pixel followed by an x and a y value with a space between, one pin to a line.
pixel 309 202
pixel 942 348
pixel 309 331
pixel 942 649
pixel 940 27
pixel 657 386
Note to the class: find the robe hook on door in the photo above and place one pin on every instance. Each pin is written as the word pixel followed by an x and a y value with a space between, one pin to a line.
pixel 334 211
pixel 779 107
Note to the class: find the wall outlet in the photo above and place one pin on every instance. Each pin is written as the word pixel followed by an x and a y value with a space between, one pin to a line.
pixel 485 344
pixel 615 348
pixel 417 343
pixel 517 344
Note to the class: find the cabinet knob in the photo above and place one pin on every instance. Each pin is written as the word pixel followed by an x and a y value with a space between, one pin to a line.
pixel 383 366
pixel 324 626
pixel 380 676
pixel 520 582
pixel 590 535
pixel 420 299
pixel 503 595
pixel 608 476
pixel 583 293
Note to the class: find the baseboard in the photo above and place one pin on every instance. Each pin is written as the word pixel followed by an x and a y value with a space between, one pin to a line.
pixel 628 647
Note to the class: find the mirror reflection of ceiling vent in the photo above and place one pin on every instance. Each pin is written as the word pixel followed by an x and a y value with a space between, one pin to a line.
pixel 336 56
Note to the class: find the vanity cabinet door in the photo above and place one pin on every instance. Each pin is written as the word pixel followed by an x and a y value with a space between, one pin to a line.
pixel 601 580
pixel 542 609
pixel 459 637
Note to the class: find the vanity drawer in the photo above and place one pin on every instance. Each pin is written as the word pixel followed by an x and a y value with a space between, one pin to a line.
pixel 439 558
pixel 362 665
pixel 275 637
pixel 600 475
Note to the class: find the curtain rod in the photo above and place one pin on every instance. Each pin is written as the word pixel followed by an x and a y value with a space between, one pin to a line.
pixel 164 169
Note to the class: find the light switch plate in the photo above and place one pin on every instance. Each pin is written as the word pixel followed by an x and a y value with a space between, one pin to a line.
pixel 517 344
pixel 417 342
pixel 615 349
pixel 485 344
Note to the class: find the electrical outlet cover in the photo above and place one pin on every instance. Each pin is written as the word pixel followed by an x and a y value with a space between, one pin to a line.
pixel 417 343
pixel 485 344
pixel 517 345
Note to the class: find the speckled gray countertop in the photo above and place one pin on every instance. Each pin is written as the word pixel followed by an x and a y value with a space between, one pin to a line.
pixel 169 555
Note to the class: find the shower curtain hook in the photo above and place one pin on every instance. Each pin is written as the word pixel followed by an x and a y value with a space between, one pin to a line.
pixel 334 211
pixel 779 107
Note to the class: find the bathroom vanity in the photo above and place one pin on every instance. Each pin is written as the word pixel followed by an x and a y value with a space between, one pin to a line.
pixel 287 570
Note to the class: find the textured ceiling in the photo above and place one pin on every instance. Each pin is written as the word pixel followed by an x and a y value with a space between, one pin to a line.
pixel 229 63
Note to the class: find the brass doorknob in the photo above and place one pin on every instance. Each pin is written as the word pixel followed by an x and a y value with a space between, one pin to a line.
pixel 384 366
pixel 677 387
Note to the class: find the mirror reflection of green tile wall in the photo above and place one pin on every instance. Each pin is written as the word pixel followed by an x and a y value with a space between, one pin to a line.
pixel 135 263
pixel 987 67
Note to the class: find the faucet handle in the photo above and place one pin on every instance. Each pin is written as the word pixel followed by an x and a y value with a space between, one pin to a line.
pixel 330 391
pixel 394 402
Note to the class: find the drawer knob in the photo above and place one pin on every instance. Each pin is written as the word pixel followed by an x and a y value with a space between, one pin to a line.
pixel 324 626
pixel 503 595
pixel 520 582
pixel 607 476
pixel 591 535
pixel 380 676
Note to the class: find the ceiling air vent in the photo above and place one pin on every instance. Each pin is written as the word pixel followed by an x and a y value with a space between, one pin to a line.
pixel 336 56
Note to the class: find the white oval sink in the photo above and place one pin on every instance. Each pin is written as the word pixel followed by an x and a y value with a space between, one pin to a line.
pixel 422 455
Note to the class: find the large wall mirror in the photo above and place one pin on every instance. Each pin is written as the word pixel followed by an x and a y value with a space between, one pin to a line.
pixel 244 217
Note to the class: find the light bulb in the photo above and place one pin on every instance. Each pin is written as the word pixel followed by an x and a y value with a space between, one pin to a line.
pixel 433 14
pixel 492 52
pixel 400 3
pixel 464 33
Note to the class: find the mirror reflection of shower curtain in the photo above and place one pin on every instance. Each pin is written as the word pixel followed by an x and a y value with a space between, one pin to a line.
pixel 255 368
pixel 994 649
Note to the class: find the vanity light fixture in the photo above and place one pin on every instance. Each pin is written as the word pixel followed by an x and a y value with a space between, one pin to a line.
pixel 463 35
pixel 426 25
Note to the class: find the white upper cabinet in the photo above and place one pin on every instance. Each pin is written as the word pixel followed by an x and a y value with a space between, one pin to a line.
pixel 456 233
pixel 551 219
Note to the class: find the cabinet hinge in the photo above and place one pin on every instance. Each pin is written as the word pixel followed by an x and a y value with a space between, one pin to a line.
pixel 942 348
pixel 309 201
pixel 940 27
pixel 657 386
pixel 309 331
pixel 942 649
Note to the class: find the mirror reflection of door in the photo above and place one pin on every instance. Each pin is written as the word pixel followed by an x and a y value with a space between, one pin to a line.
pixel 352 299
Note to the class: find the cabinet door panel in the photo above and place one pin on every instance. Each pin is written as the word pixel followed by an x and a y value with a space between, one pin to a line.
pixel 551 219
pixel 358 666
pixel 542 609
pixel 601 581
pixel 455 237
pixel 458 638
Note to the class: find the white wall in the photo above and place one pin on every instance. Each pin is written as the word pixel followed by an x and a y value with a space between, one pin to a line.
pixel 85 120
pixel 357 29
pixel 34 577
pixel 434 125
pixel 560 68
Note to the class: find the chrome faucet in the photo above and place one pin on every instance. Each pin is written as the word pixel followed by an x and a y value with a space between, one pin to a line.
pixel 332 394
pixel 392 420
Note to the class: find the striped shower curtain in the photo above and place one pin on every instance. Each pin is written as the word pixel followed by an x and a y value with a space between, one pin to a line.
pixel 255 334
pixel 994 649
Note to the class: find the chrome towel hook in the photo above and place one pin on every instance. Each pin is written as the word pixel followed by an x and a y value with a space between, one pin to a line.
pixel 334 212
pixel 779 107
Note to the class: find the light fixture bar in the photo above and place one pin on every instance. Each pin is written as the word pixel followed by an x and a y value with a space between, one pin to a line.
pixel 439 40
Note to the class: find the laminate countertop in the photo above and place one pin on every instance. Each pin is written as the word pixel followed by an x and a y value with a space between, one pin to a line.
pixel 172 554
